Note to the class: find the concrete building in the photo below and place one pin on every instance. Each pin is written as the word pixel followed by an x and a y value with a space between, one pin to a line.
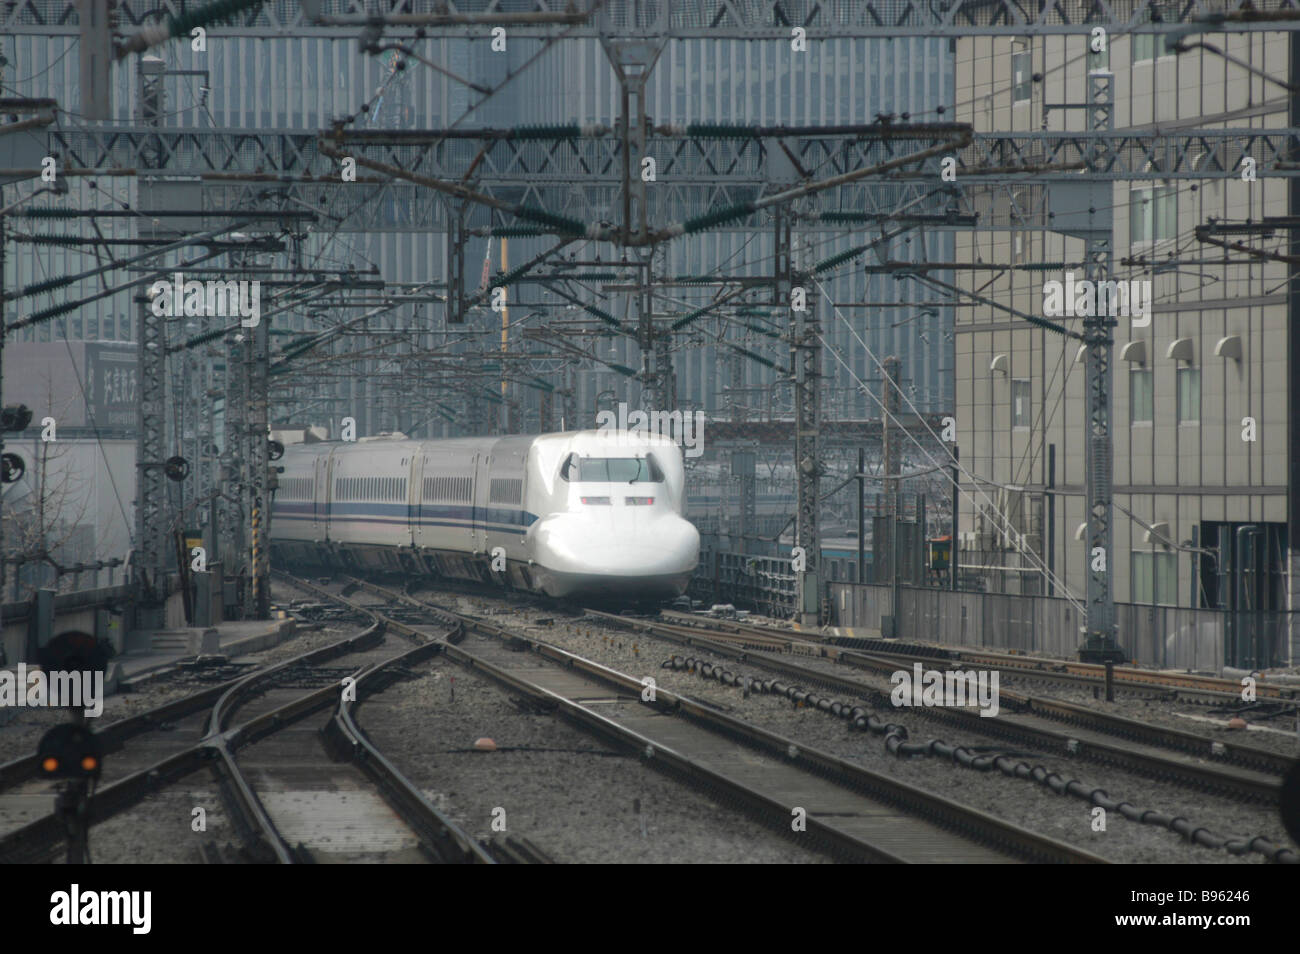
pixel 1203 389
pixel 76 498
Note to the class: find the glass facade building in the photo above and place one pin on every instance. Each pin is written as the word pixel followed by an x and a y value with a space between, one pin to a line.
pixel 305 83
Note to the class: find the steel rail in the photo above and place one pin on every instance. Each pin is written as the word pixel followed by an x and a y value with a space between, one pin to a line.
pixel 217 748
pixel 964 822
pixel 1205 777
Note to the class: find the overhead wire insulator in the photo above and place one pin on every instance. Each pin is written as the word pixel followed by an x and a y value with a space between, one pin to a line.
pixel 46 286
pixel 834 260
pixel 175 27
pixel 53 312
pixel 687 319
pixel 516 231
pixel 766 332
pixel 766 362
pixel 604 316
pixel 560 223
pixel 68 240
pixel 718 217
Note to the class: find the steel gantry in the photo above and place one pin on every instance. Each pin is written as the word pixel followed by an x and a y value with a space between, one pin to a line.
pixel 685 19
pixel 1099 642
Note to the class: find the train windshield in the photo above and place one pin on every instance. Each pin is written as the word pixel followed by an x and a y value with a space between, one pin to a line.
pixel 628 470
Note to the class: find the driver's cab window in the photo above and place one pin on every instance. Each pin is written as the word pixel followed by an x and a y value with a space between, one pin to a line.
pixel 627 470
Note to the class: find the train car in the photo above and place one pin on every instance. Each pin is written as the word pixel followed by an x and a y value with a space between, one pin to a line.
pixel 840 561
pixel 582 514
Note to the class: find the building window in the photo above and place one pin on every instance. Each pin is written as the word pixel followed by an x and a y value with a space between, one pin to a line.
pixel 1147 46
pixel 1141 400
pixel 1022 83
pixel 1189 395
pixel 1155 578
pixel 1152 214
pixel 1020 404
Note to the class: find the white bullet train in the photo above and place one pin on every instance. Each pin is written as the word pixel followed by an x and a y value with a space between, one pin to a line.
pixel 581 514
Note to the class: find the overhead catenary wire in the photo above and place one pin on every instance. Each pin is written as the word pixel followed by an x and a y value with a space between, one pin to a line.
pixel 952 460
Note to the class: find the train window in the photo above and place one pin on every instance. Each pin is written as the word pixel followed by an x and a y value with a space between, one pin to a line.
pixel 505 490
pixel 441 488
pixel 566 469
pixel 629 470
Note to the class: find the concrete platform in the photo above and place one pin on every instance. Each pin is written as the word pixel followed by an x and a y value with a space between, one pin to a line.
pixel 152 653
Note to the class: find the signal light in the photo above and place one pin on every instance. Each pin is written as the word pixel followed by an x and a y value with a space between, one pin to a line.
pixel 70 751
pixel 75 651
pixel 15 417
pixel 12 468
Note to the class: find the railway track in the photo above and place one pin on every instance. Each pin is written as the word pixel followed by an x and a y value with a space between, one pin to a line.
pixel 177 739
pixel 1158 752
pixel 1187 686
pixel 847 810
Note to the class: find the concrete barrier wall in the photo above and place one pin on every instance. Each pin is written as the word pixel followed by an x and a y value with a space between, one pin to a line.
pixel 76 611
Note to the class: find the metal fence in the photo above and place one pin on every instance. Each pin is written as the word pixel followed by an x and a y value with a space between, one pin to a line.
pixel 765 583
pixel 1165 636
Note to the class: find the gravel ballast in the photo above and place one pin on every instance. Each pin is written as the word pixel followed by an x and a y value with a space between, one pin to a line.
pixel 1018 801
pixel 566 791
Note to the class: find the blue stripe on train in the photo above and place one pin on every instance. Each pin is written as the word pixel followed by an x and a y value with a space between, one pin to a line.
pixel 491 518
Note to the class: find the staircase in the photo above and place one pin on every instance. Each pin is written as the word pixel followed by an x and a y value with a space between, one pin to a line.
pixel 170 641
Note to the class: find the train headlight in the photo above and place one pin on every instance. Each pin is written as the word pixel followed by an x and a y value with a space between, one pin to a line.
pixel 638 501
